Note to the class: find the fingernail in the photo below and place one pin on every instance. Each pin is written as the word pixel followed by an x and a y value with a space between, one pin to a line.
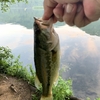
pixel 69 8
pixel 79 8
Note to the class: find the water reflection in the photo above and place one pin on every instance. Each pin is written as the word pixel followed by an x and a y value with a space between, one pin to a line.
pixel 79 53
pixel 19 39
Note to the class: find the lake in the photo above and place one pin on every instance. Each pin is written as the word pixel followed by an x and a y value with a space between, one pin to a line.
pixel 80 56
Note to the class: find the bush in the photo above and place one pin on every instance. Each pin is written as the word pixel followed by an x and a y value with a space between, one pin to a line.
pixel 63 89
pixel 13 67
pixel 5 3
pixel 5 59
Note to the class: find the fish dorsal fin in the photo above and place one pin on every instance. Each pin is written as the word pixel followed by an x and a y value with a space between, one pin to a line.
pixel 37 83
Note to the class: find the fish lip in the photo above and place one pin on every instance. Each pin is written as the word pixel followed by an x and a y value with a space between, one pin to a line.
pixel 37 19
pixel 40 21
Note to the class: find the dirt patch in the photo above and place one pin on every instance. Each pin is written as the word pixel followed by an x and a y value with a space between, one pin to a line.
pixel 12 88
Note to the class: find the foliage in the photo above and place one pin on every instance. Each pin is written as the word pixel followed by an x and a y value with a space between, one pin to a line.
pixel 21 72
pixel 88 98
pixel 34 97
pixel 12 66
pixel 63 89
pixel 5 59
pixel 93 28
pixel 5 3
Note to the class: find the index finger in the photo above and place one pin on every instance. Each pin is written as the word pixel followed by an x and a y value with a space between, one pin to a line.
pixel 49 5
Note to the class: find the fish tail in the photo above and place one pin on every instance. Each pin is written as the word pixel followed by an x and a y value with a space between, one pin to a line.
pixel 50 97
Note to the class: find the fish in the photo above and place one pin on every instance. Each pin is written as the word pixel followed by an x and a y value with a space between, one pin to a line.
pixel 46 57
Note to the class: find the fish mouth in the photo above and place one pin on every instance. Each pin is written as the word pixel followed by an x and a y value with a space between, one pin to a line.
pixel 41 24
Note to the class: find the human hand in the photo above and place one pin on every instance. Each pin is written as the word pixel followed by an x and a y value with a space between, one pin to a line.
pixel 73 12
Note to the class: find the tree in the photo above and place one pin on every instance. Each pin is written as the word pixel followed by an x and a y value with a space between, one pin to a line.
pixel 6 3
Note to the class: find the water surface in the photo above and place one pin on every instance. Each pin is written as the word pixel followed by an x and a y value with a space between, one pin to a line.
pixel 80 56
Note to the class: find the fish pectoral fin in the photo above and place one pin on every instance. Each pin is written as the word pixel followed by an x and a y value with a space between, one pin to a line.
pixel 50 97
pixel 37 83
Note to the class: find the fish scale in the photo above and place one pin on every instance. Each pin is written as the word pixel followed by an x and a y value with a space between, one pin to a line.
pixel 46 57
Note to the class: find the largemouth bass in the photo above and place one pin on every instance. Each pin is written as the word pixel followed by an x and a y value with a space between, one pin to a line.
pixel 46 56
